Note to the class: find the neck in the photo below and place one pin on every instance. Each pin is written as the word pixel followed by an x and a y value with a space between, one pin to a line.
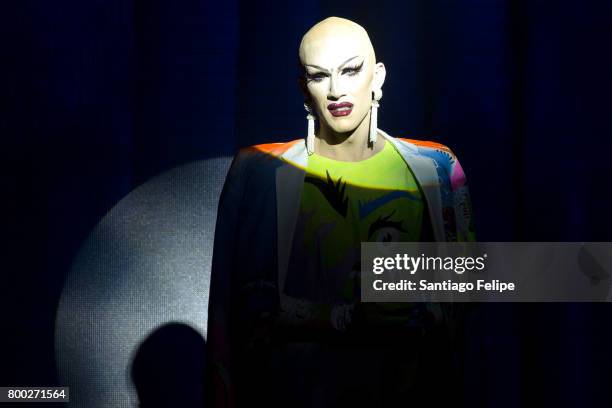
pixel 349 146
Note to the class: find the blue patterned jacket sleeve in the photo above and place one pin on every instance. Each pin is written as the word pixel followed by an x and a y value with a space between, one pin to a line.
pixel 456 204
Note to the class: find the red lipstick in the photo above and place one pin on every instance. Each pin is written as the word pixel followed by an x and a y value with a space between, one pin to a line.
pixel 340 109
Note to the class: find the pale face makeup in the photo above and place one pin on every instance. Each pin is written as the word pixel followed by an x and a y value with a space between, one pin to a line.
pixel 340 92
pixel 340 74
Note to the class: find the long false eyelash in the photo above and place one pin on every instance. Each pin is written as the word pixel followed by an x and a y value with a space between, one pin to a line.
pixel 314 77
pixel 354 68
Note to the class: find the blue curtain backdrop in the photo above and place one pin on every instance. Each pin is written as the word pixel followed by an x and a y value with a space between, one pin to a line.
pixel 99 96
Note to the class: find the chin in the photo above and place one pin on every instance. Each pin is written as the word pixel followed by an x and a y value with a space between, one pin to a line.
pixel 343 129
pixel 343 126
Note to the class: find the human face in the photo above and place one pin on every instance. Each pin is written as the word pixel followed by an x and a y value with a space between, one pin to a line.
pixel 339 80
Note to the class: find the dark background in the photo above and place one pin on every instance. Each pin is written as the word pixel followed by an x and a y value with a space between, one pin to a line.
pixel 99 96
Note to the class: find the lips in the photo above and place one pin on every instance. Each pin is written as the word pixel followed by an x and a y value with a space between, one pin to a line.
pixel 340 109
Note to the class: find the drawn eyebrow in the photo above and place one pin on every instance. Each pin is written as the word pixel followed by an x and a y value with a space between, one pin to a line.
pixel 325 70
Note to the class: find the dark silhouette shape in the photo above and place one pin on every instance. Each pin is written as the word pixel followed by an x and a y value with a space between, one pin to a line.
pixel 169 368
pixel 591 267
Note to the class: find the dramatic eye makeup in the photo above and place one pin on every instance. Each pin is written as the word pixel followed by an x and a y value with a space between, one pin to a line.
pixel 352 70
pixel 323 73
pixel 316 76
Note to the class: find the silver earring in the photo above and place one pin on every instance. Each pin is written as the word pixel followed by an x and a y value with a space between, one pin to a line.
pixel 310 137
pixel 377 95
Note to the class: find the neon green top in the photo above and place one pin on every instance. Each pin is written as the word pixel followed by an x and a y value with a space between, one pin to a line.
pixel 344 204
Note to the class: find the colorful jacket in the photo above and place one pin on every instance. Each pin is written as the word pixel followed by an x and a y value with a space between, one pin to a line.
pixel 257 213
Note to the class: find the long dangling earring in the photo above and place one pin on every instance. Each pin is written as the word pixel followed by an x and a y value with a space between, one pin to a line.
pixel 310 137
pixel 377 95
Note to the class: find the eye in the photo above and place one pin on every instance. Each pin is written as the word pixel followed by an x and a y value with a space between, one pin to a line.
pixel 352 71
pixel 318 77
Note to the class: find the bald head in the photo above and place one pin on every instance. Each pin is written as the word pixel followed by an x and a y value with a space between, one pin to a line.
pixel 339 67
pixel 333 35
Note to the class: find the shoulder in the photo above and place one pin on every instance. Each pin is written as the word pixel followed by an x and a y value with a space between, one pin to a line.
pixel 268 149
pixel 443 157
pixel 263 153
pixel 425 145
pixel 260 160
pixel 438 152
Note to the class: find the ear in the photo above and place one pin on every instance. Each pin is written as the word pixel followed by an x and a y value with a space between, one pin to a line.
pixel 380 74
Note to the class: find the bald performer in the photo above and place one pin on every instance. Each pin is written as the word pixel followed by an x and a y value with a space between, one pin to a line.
pixel 340 68
pixel 285 325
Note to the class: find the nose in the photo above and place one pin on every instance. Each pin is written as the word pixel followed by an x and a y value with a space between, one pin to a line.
pixel 334 88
